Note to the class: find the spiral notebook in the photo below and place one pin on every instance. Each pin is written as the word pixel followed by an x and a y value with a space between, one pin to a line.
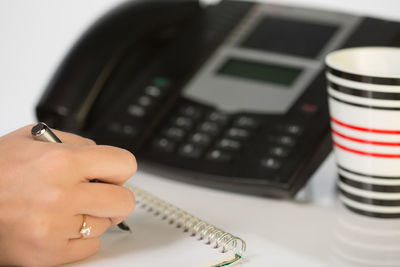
pixel 164 235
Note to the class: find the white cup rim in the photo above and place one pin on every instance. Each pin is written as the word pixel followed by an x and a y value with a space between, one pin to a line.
pixel 348 61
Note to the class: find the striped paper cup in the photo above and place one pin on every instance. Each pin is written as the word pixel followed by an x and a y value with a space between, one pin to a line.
pixel 364 102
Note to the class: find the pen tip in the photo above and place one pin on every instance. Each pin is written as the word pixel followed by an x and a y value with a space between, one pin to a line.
pixel 124 226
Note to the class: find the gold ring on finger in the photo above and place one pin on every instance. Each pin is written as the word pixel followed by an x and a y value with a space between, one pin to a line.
pixel 85 229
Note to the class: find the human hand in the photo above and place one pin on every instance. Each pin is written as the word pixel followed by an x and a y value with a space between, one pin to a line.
pixel 45 190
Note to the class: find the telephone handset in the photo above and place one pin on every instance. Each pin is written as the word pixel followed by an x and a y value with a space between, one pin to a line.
pixel 124 42
pixel 230 96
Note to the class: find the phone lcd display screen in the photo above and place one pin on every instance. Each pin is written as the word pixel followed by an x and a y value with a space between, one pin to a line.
pixel 262 72
pixel 289 36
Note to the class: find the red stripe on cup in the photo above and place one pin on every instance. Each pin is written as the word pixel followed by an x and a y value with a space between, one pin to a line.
pixel 364 153
pixel 353 127
pixel 364 141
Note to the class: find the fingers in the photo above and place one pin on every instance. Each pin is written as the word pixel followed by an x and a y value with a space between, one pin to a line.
pixel 79 249
pixel 103 200
pixel 106 163
pixel 97 226
pixel 117 220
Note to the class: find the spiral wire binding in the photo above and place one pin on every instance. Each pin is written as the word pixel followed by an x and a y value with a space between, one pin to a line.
pixel 212 235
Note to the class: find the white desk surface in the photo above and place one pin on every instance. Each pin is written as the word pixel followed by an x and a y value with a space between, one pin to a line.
pixel 314 231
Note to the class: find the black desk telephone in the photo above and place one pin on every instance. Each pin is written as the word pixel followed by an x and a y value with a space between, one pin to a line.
pixel 230 96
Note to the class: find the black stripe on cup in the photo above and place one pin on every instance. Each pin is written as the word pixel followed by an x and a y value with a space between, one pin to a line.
pixel 362 105
pixel 364 78
pixel 367 175
pixel 370 187
pixel 370 201
pixel 373 214
pixel 364 93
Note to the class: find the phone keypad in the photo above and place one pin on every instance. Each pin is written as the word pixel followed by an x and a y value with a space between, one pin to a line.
pixel 209 134
pixel 198 134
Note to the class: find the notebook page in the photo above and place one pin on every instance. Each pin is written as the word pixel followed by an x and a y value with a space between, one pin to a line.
pixel 153 242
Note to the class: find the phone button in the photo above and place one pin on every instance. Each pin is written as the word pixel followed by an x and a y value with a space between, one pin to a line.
pixel 271 163
pixel 218 117
pixel 285 140
pixel 290 128
pixel 279 151
pixel 164 144
pixel 219 156
pixel 153 91
pixel 114 127
pixel 126 129
pixel 130 131
pixel 229 144
pixel 183 122
pixel 174 133
pixel 201 139
pixel 190 151
pixel 209 127
pixel 145 101
pixel 237 133
pixel 246 122
pixel 191 112
pixel 136 111
pixel 282 139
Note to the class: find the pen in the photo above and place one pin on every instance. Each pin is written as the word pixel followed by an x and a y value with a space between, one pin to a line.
pixel 42 132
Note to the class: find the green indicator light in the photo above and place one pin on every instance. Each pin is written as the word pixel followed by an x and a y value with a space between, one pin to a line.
pixel 160 81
